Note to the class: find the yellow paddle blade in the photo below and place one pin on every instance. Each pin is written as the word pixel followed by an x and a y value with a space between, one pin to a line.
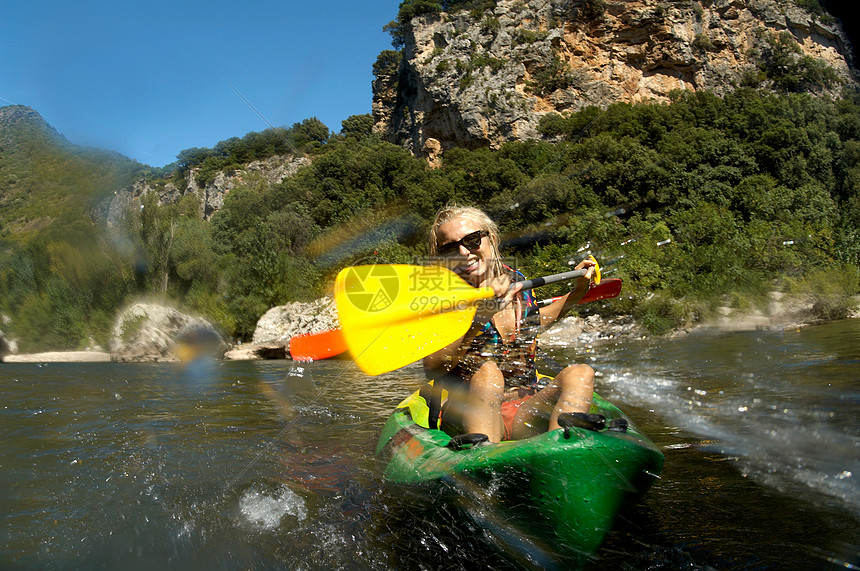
pixel 596 278
pixel 393 315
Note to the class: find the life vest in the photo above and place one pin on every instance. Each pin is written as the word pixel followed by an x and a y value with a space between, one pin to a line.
pixel 514 356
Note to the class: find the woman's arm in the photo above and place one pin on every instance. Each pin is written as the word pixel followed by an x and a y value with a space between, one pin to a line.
pixel 559 308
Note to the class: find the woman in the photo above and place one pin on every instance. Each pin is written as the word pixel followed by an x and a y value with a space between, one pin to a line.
pixel 490 373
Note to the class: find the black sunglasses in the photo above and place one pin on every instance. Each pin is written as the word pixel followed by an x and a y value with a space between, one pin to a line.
pixel 471 241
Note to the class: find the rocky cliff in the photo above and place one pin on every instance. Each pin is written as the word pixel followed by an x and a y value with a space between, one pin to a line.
pixel 472 80
pixel 211 196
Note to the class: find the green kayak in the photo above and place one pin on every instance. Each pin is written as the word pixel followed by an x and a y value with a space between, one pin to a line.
pixel 570 482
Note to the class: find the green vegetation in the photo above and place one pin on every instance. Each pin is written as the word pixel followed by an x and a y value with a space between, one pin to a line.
pixel 526 37
pixel 812 6
pixel 593 10
pixel 475 61
pixel 45 182
pixel 386 63
pixel 784 64
pixel 550 78
pixel 491 25
pixel 703 42
pixel 702 202
pixel 231 154
pixel 60 277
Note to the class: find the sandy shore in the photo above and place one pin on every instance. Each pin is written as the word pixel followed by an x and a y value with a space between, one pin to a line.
pixel 59 357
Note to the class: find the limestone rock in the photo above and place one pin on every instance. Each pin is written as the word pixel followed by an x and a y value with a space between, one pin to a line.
pixel 469 82
pixel 211 196
pixel 283 322
pixel 146 332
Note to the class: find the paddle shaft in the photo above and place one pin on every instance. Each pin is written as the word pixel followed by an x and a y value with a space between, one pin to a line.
pixel 312 346
pixel 326 344
pixel 554 278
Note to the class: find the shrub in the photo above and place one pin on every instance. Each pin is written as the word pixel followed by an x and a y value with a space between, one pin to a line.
pixel 491 25
pixel 832 291
pixel 387 63
pixel 703 42
pixel 550 78
pixel 790 71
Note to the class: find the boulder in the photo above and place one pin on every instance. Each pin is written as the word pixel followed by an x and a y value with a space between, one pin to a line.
pixel 278 325
pixel 146 332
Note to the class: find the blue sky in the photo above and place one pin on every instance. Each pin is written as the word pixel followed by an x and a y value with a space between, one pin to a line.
pixel 150 79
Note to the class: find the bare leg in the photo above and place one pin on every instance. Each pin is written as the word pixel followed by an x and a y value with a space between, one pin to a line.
pixel 570 391
pixel 577 387
pixel 485 400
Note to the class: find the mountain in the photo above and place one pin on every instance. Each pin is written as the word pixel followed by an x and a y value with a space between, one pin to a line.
pixel 46 182
pixel 483 76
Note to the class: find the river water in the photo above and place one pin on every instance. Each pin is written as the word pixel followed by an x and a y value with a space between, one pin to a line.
pixel 269 464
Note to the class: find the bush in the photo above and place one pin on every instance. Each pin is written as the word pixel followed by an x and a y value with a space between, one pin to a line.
pixel 790 71
pixel 832 291
pixel 550 78
pixel 661 314
pixel 386 63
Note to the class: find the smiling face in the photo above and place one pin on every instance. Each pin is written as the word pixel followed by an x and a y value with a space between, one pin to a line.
pixel 473 265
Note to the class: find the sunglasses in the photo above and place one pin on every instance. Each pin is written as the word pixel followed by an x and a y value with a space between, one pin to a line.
pixel 471 241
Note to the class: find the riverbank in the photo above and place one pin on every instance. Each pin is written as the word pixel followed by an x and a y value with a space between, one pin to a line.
pixel 59 357
pixel 781 313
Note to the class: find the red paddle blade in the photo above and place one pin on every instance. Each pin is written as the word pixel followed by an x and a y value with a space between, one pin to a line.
pixel 604 290
pixel 314 346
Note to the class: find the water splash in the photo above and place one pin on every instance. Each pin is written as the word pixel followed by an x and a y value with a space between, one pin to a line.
pixel 264 510
pixel 772 429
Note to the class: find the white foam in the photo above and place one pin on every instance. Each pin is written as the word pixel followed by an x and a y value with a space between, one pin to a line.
pixel 266 510
pixel 775 444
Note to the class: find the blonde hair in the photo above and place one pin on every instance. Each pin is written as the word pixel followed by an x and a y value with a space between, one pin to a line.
pixel 477 215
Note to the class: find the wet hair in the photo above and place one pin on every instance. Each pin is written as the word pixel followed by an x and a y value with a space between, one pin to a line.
pixel 477 215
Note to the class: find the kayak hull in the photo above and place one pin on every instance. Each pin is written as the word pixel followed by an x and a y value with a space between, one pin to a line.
pixel 571 482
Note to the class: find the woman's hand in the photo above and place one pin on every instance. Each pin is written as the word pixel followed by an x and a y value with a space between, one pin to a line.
pixel 583 282
pixel 446 358
pixel 558 309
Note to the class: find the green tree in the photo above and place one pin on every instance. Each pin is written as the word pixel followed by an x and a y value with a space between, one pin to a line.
pixel 358 126
pixel 791 71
